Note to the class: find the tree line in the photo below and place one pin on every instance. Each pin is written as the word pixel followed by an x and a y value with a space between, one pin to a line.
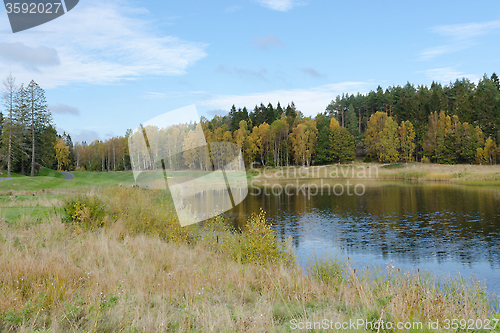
pixel 454 123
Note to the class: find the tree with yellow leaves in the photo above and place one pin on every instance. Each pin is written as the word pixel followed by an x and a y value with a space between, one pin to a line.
pixel 303 139
pixel 62 154
pixel 490 150
pixel 373 135
pixel 407 140
pixel 341 143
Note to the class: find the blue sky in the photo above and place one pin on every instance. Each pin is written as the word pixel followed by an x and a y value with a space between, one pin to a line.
pixel 110 65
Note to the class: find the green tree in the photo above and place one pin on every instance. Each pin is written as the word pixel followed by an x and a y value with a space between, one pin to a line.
pixel 39 119
pixel 323 153
pixel 341 143
pixel 352 121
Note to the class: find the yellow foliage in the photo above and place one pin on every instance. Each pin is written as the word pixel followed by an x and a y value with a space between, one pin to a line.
pixel 62 154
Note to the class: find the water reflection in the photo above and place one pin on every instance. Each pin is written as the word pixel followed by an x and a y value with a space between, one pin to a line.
pixel 431 225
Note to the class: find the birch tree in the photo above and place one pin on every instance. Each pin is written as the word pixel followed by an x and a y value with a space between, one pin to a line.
pixel 9 95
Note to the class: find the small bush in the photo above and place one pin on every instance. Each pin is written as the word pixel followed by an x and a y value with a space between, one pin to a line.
pixel 425 160
pixel 87 211
pixel 367 159
pixel 329 270
pixel 257 243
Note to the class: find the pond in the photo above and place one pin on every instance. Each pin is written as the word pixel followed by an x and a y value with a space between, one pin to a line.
pixel 444 228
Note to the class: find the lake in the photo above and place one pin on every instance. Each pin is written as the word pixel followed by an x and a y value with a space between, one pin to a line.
pixel 444 228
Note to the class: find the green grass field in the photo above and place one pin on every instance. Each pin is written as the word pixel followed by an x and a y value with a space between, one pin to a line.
pixel 3 174
pixel 52 180
pixel 32 198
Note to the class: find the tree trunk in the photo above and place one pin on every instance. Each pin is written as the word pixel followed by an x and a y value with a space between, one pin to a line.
pixel 33 144
pixel 359 121
pixel 10 146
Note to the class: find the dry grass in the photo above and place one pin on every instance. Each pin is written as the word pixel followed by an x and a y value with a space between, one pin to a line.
pixel 459 173
pixel 59 277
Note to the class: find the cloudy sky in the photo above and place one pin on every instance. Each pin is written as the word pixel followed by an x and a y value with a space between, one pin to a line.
pixel 110 65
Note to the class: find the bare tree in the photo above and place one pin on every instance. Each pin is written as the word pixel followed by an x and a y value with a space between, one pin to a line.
pixel 9 94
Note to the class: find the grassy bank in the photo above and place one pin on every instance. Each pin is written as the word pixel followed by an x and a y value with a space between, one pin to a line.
pixel 460 174
pixel 115 260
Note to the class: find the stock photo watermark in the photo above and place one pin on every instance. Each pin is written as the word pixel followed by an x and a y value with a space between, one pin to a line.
pixel 322 180
pixel 384 325
pixel 206 179
pixel 25 15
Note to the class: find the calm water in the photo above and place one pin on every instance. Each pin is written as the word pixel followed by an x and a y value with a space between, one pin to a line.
pixel 443 228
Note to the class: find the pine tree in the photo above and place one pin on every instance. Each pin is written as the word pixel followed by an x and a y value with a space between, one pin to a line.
pixel 352 121
pixel 39 119
pixel 323 154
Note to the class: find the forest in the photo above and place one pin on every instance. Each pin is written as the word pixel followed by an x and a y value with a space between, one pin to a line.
pixel 454 123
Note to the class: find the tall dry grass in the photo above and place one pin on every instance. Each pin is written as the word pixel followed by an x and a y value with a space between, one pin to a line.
pixel 66 277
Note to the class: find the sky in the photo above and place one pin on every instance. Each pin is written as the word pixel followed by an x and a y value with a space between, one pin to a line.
pixel 107 66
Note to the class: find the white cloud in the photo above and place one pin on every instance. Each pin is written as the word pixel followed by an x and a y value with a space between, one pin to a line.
pixel 446 75
pixel 280 5
pixel 99 43
pixel 433 52
pixel 461 36
pixel 63 108
pixel 467 30
pixel 310 101
pixel 265 42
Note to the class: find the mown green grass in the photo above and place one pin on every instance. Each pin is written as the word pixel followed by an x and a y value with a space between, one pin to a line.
pixel 50 179
pixel 46 172
pixel 3 174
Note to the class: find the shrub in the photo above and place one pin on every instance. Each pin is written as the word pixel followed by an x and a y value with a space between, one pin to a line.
pixel 328 270
pixel 257 243
pixel 367 159
pixel 149 212
pixel 425 160
pixel 88 211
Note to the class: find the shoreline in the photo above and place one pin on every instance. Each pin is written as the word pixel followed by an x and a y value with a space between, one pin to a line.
pixel 488 175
